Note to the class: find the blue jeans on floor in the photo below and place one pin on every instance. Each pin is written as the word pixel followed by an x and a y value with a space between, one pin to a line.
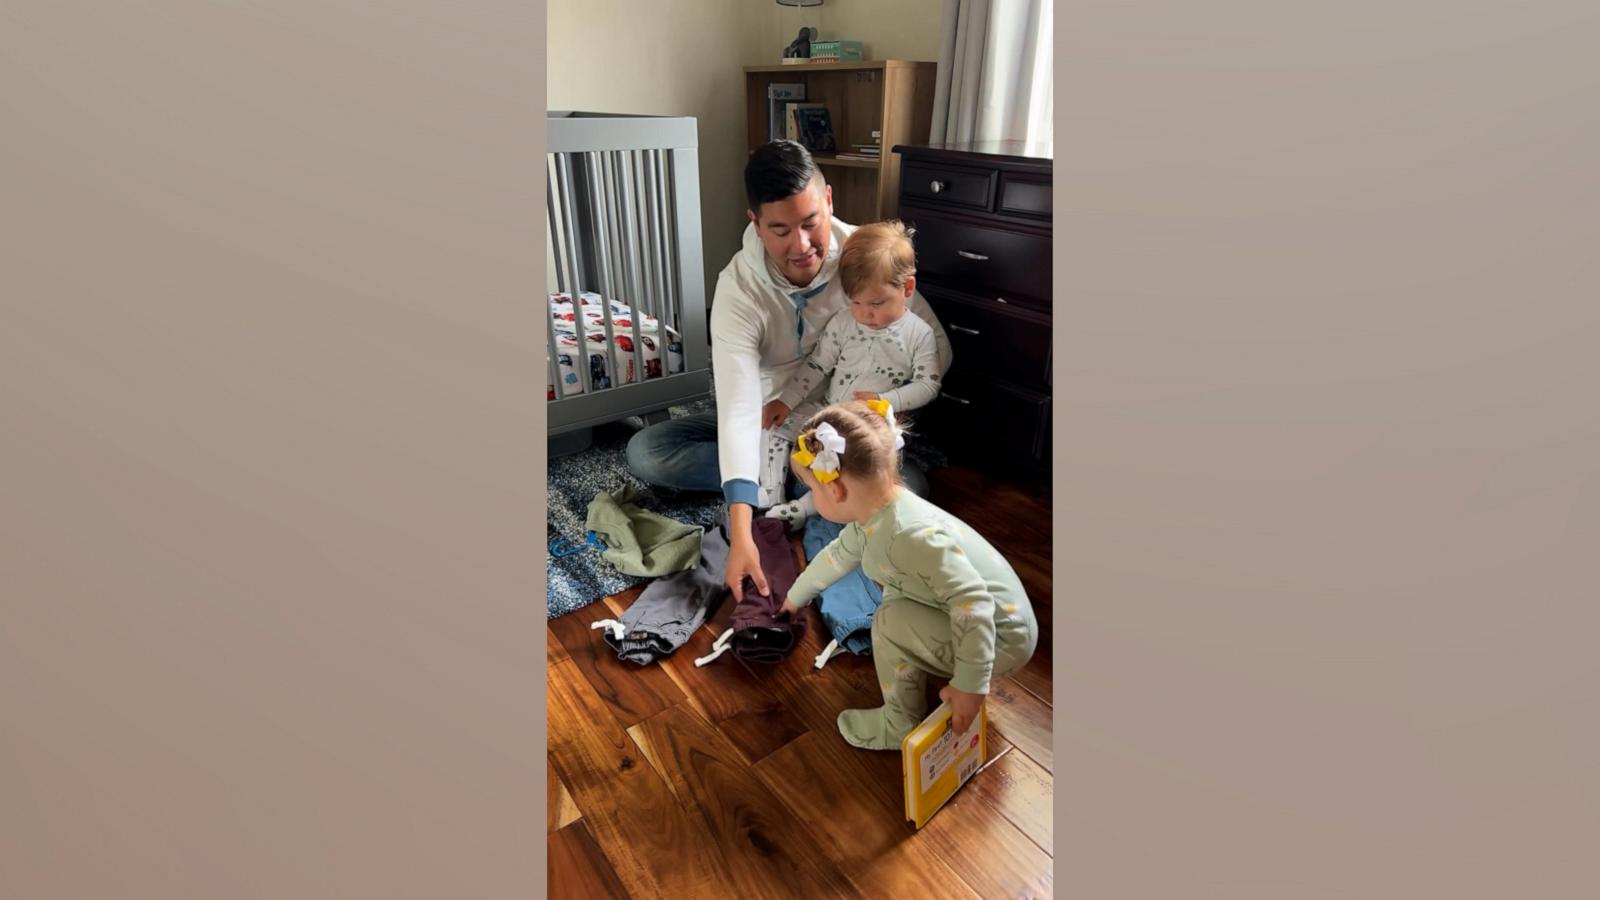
pixel 848 605
pixel 682 454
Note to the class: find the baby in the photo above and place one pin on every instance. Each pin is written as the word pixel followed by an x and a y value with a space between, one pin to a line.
pixel 871 350
pixel 952 606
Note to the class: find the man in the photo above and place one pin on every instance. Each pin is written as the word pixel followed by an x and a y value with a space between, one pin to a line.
pixel 771 303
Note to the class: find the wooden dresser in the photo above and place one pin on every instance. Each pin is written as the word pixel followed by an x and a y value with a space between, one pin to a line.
pixel 982 216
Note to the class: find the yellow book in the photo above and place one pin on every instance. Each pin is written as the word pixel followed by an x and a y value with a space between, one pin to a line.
pixel 938 761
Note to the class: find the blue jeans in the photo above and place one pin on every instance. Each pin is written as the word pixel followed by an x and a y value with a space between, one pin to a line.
pixel 678 453
pixel 848 605
pixel 682 454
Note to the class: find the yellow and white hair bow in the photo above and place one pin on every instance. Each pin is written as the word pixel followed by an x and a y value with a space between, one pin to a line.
pixel 886 409
pixel 824 464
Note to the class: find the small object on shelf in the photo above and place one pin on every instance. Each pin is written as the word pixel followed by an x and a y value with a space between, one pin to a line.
pixel 800 47
pixel 815 128
pixel 836 51
pixel 791 118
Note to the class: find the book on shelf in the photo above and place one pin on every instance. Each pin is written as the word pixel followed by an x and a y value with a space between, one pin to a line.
pixel 937 761
pixel 777 96
pixel 792 111
pixel 814 127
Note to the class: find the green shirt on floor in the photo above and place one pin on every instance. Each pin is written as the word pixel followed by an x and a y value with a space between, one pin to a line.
pixel 640 542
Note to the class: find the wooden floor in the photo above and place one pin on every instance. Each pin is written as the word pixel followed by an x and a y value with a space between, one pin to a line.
pixel 731 780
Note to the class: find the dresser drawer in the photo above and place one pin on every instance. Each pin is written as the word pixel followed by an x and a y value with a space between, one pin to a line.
pixel 986 423
pixel 1025 195
pixel 952 186
pixel 993 340
pixel 988 262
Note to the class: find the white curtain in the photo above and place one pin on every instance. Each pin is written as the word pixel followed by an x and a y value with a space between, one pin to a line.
pixel 994 75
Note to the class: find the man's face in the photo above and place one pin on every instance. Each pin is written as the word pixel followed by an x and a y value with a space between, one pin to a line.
pixel 795 231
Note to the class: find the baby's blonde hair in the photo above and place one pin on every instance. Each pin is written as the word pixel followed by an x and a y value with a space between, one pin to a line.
pixel 869 451
pixel 876 254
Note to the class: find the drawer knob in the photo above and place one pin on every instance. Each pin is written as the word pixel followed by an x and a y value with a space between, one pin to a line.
pixel 968 254
pixel 954 399
pixel 963 329
pixel 936 186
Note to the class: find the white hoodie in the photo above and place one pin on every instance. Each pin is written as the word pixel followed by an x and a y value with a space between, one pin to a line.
pixel 754 348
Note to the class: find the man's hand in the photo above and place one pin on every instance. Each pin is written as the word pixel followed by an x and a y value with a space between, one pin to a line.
pixel 867 395
pixel 744 561
pixel 774 414
pixel 964 707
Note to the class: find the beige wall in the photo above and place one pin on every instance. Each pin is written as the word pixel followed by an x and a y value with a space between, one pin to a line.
pixel 620 56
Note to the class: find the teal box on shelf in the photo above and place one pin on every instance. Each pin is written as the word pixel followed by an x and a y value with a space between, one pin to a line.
pixel 836 51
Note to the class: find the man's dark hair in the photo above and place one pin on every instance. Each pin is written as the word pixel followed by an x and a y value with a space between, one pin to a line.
pixel 777 171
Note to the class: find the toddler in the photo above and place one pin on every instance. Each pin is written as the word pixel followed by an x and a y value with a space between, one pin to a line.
pixel 952 606
pixel 870 350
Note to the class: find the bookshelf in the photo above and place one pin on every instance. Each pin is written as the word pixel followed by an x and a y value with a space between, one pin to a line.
pixel 893 96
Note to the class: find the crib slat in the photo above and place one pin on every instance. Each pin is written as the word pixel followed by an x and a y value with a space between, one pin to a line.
pixel 555 230
pixel 663 239
pixel 626 161
pixel 603 288
pixel 644 299
pixel 581 359
pixel 604 202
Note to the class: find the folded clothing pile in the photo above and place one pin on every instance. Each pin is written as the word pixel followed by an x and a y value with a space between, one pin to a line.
pixel 669 610
pixel 761 632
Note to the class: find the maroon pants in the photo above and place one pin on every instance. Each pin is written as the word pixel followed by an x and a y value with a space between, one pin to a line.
pixel 760 632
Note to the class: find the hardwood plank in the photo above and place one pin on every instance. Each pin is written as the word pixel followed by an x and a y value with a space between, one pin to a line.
pixel 554 651
pixel 1022 719
pixel 743 706
pixel 657 848
pixel 578 869
pixel 1014 518
pixel 765 854
pixel 985 849
pixel 1022 791
pixel 843 804
pixel 730 696
pixel 561 811
pixel 632 693
pixel 1035 677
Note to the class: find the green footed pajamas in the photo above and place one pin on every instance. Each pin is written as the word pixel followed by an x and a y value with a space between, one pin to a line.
pixel 952 606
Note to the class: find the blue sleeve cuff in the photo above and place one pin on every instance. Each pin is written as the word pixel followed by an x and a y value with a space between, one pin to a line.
pixel 741 490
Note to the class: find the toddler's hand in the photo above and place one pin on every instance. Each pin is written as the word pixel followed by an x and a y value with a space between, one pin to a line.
pixel 774 414
pixel 964 706
pixel 788 609
pixel 867 395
